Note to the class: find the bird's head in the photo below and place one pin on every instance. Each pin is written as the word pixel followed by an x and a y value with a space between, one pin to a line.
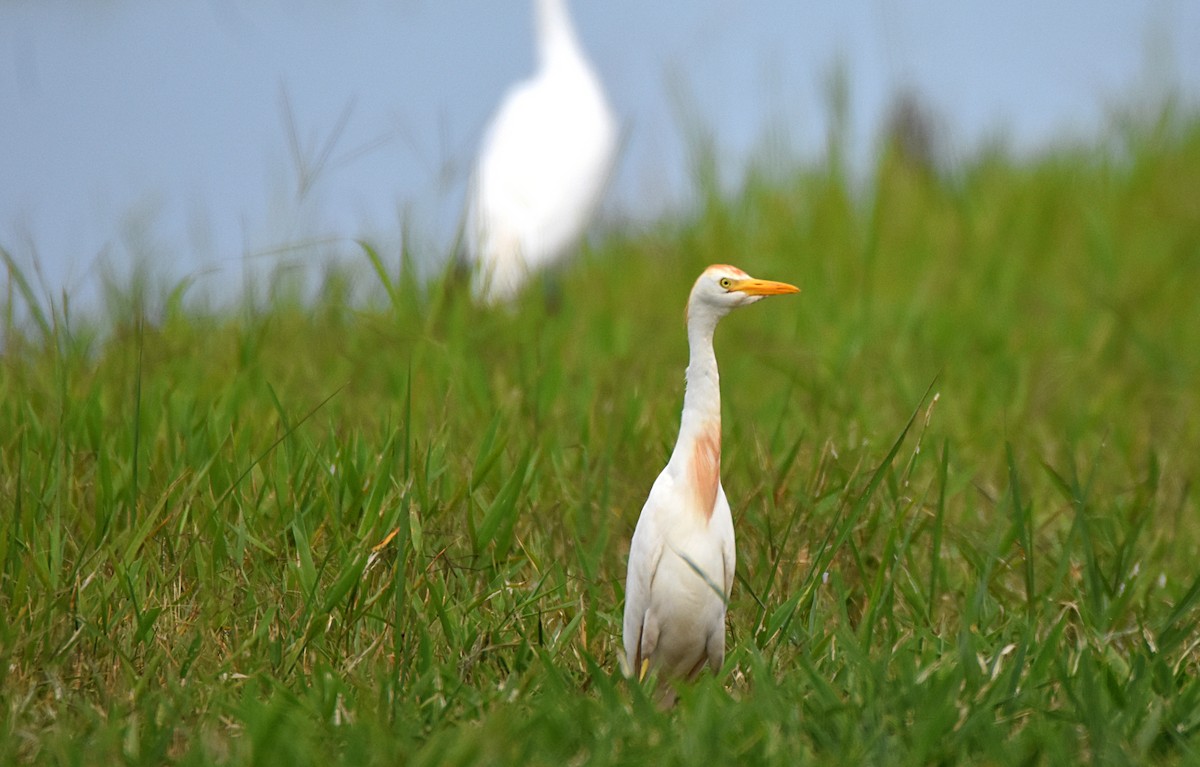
pixel 722 288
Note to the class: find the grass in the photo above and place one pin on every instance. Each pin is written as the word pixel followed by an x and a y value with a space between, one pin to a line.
pixel 385 526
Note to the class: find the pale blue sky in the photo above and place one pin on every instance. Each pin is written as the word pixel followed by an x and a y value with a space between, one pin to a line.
pixel 137 125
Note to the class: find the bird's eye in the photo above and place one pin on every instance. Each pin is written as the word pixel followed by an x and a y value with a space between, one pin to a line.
pixel 726 283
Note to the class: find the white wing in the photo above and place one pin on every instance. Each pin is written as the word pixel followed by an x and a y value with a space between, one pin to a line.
pixel 645 553
pixel 723 518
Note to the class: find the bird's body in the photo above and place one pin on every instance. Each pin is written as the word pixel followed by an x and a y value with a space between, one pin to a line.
pixel 682 556
pixel 544 163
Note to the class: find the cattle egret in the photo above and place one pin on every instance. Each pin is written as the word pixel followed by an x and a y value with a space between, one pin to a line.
pixel 681 559
pixel 544 163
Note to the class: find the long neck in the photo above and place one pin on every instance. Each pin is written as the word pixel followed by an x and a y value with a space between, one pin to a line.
pixel 555 35
pixel 697 456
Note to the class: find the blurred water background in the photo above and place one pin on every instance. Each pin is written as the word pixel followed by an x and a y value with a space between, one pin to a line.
pixel 222 138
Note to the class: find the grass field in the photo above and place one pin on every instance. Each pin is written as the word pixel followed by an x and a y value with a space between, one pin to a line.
pixel 962 464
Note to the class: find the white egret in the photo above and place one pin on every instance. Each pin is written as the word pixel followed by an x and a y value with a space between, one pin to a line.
pixel 544 163
pixel 682 556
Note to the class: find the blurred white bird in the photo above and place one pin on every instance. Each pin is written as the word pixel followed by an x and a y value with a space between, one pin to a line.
pixel 544 164
pixel 682 557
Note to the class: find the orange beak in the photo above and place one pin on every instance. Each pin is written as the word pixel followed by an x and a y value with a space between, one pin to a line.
pixel 755 287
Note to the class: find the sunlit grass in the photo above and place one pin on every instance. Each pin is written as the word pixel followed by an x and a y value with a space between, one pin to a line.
pixel 393 530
